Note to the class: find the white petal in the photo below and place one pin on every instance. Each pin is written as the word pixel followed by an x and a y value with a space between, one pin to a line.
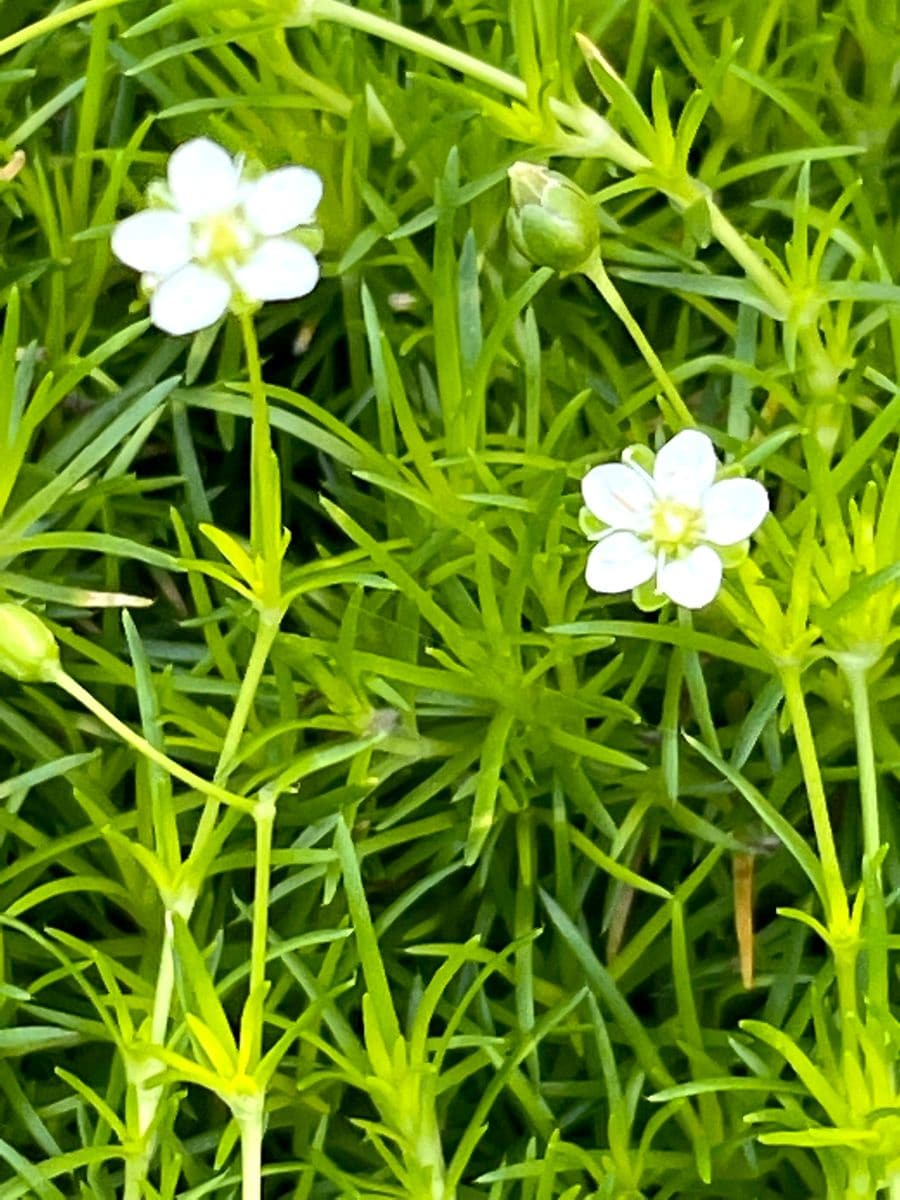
pixel 619 562
pixel 691 581
pixel 203 178
pixel 191 299
pixel 282 200
pixel 278 270
pixel 156 240
pixel 685 466
pixel 619 496
pixel 733 509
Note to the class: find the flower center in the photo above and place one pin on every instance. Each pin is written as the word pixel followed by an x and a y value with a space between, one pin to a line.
pixel 223 238
pixel 675 526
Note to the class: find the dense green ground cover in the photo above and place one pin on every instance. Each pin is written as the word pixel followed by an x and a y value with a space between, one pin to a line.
pixel 392 857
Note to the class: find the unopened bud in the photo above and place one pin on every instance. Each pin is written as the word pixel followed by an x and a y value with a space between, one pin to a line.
pixel 552 222
pixel 28 650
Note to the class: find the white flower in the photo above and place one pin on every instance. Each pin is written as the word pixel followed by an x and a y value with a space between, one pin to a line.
pixel 215 236
pixel 671 524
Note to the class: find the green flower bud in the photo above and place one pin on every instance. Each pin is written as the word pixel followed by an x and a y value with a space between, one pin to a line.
pixel 28 650
pixel 552 222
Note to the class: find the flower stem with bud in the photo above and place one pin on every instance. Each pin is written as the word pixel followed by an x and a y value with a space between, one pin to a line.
pixel 599 139
pixel 219 794
pixel 553 223
pixel 596 132
pixel 29 652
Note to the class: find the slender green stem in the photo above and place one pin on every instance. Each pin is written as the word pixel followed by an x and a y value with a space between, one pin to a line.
pixel 601 136
pixel 266 631
pixel 825 411
pixel 419 43
pixel 252 1117
pixel 838 914
pixel 147 1098
pixel 188 777
pixel 596 273
pixel 165 984
pixel 266 544
pixel 844 940
pixel 251 1127
pixel 264 815
pixel 876 943
pixel 865 750
pixel 265 494
pixel 265 539
pixel 54 21
pixel 745 256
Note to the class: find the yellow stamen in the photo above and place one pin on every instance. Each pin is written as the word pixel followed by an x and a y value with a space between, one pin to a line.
pixel 224 238
pixel 675 526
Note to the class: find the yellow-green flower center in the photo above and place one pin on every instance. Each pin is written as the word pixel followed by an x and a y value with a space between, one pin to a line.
pixel 223 238
pixel 675 526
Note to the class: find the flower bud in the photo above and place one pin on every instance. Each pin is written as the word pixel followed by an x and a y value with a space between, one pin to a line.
pixel 28 650
pixel 552 222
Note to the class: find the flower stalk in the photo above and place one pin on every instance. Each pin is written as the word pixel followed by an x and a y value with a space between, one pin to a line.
pixel 838 914
pixel 190 778
pixel 679 415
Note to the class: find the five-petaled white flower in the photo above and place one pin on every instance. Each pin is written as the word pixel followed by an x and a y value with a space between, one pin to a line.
pixel 668 520
pixel 213 236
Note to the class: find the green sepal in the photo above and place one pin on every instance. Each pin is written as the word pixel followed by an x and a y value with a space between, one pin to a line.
pixel 310 236
pixel 639 456
pixel 733 556
pixel 647 598
pixel 590 525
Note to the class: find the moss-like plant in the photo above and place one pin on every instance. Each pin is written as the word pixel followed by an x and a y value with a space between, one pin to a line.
pixel 357 838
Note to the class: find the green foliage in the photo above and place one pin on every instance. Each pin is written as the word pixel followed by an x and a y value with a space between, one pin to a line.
pixel 354 836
